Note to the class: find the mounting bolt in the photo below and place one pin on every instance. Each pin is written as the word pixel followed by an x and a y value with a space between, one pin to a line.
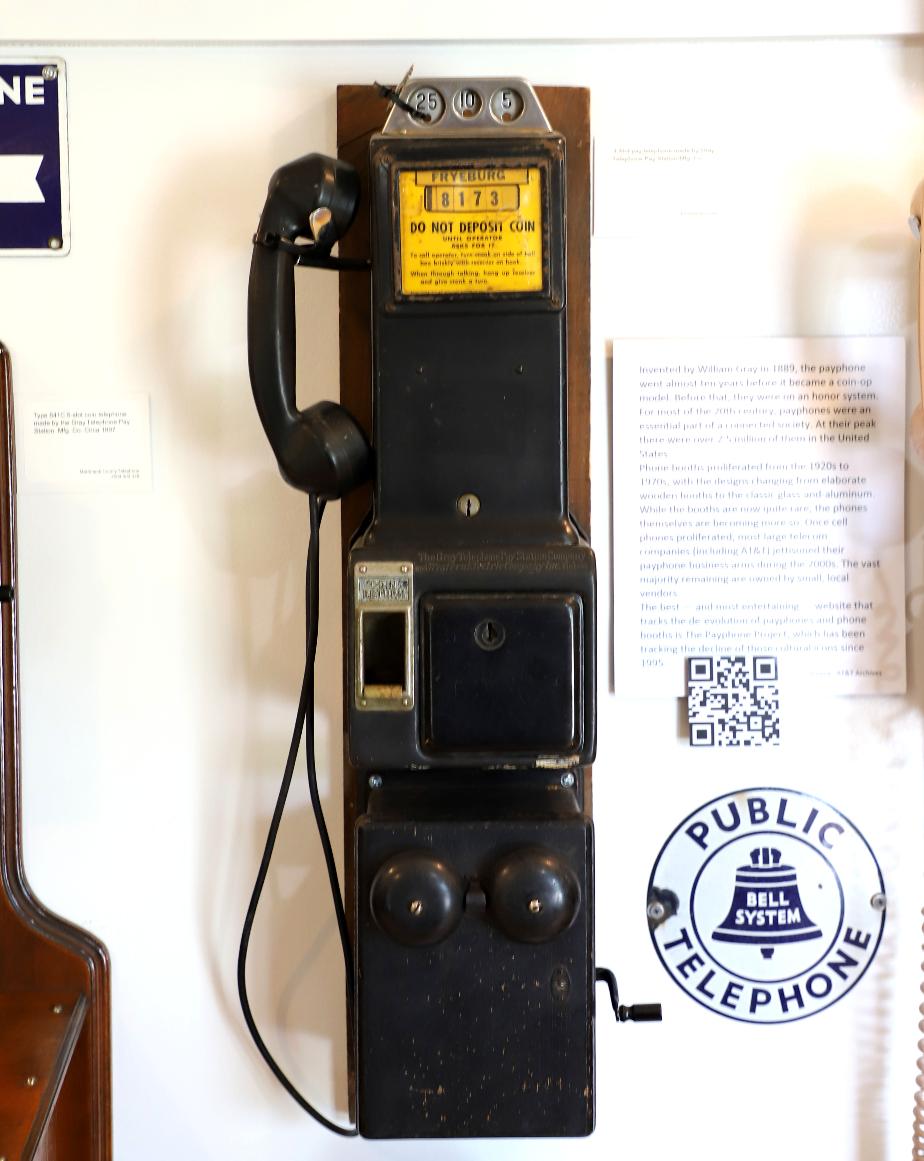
pixel 656 911
pixel 567 780
pixel 49 73
pixel 878 901
pixel 375 781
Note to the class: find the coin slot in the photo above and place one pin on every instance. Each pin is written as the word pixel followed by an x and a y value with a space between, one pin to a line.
pixel 427 104
pixel 384 654
pixel 468 103
pixel 507 105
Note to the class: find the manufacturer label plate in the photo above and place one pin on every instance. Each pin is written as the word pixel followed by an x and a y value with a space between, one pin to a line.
pixel 470 230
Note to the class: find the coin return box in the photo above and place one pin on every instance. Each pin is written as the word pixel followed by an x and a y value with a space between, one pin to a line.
pixel 385 659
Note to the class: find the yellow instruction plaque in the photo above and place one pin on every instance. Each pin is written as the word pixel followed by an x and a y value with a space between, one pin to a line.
pixel 470 230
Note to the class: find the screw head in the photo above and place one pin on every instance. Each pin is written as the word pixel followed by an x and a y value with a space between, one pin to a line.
pixel 878 901
pixel 405 568
pixel 535 906
pixel 656 911
pixel 567 780
pixel 49 73
pixel 57 1009
pixel 406 701
pixel 31 1081
pixel 415 907
pixel 375 781
pixel 55 243
pixel 363 568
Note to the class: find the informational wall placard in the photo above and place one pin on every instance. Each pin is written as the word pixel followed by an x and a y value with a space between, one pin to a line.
pixel 33 158
pixel 84 445
pixel 758 508
pixel 766 905
pixel 644 188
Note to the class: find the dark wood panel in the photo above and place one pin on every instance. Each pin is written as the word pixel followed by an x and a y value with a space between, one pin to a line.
pixel 40 1033
pixel 43 959
pixel 568 111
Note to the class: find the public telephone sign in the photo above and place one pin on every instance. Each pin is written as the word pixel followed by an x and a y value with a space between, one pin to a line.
pixel 33 158
pixel 766 905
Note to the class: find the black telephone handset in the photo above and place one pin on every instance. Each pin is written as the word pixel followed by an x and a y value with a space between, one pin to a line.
pixel 310 204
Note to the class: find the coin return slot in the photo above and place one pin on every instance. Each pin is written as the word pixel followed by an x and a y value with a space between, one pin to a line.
pixel 383 645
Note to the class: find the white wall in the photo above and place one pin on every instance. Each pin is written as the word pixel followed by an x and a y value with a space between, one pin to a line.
pixel 288 21
pixel 160 632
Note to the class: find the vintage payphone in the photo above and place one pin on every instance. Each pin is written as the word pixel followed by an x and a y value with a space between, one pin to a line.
pixel 470 591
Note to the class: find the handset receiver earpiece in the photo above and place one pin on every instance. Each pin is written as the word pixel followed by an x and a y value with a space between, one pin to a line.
pixel 321 449
pixel 296 190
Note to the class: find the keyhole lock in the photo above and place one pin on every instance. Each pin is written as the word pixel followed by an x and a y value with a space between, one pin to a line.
pixel 489 634
pixel 468 504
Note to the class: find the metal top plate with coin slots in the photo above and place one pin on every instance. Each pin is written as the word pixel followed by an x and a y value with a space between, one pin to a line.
pixel 477 105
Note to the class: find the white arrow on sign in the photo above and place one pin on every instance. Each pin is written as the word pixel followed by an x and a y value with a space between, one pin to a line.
pixel 19 178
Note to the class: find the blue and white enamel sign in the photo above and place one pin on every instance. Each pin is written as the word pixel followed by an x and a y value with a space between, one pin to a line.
pixel 766 905
pixel 34 216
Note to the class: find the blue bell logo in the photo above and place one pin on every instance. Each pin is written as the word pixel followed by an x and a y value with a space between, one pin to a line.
pixel 766 909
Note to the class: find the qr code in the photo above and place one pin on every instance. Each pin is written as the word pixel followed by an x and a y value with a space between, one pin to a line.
pixel 733 701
